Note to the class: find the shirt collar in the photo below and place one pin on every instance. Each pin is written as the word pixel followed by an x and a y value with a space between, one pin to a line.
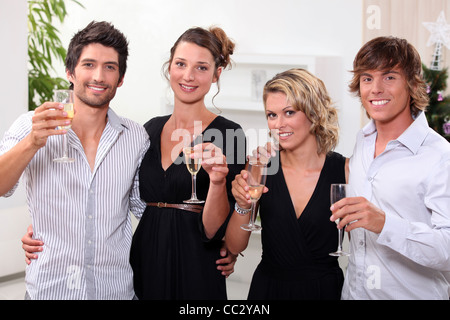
pixel 412 137
pixel 369 128
pixel 115 121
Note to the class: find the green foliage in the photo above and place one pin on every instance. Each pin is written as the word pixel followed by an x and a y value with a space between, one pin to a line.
pixel 438 111
pixel 44 47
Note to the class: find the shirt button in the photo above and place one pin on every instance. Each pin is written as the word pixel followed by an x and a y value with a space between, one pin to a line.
pixel 361 243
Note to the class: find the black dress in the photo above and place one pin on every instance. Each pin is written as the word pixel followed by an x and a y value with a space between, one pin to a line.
pixel 295 261
pixel 170 254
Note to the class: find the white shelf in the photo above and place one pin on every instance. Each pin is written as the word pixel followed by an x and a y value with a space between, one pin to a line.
pixel 283 60
pixel 236 103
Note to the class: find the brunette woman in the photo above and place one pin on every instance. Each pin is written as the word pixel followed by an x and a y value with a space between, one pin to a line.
pixel 176 246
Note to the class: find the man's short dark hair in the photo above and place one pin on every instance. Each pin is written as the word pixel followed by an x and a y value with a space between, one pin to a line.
pixel 103 33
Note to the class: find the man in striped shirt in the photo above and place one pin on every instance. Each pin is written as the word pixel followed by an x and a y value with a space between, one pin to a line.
pixel 80 210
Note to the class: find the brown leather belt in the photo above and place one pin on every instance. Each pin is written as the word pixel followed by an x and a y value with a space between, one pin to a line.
pixel 188 207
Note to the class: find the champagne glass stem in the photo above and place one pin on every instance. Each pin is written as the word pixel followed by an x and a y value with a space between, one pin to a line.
pixel 194 187
pixel 65 146
pixel 340 239
pixel 252 217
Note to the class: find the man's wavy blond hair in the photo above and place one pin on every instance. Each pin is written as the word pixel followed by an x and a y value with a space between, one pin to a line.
pixel 308 94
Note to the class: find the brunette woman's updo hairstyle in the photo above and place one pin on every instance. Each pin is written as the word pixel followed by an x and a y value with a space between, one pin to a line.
pixel 214 39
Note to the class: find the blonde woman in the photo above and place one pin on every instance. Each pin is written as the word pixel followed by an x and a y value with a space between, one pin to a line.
pixel 297 235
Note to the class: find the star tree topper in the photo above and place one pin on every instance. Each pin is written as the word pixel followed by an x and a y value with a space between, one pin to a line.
pixel 440 35
pixel 440 31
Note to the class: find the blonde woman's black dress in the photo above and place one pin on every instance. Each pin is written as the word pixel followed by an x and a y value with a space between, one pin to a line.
pixel 295 261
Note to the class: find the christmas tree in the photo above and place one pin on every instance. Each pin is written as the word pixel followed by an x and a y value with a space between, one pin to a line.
pixel 438 111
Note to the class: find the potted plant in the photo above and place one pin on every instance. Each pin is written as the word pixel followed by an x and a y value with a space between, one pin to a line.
pixel 44 47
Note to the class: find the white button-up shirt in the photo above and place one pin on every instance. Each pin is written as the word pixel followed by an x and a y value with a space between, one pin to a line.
pixel 82 216
pixel 410 182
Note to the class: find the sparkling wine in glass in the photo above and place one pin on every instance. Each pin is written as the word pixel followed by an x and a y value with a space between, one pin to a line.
pixel 256 180
pixel 65 97
pixel 193 164
pixel 339 191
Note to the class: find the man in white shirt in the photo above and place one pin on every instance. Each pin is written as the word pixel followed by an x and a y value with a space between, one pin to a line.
pixel 80 210
pixel 399 221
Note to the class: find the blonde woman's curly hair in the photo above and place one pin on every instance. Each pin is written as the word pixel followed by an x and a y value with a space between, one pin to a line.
pixel 308 94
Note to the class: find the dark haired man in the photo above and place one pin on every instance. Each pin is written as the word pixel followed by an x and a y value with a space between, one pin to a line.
pixel 80 210
pixel 399 223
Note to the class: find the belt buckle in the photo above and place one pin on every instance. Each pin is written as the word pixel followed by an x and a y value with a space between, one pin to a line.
pixel 161 205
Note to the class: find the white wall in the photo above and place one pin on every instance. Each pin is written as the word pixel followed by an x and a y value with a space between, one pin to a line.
pixel 14 217
pixel 285 27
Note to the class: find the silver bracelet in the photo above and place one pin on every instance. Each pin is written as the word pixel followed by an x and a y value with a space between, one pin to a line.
pixel 241 211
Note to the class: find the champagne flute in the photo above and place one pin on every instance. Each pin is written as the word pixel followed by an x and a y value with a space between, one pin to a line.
pixel 256 180
pixel 193 164
pixel 66 98
pixel 339 191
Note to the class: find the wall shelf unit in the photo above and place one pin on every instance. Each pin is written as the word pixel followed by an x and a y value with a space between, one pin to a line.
pixel 241 87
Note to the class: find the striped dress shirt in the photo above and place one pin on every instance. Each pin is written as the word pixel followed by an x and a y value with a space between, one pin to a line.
pixel 82 215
